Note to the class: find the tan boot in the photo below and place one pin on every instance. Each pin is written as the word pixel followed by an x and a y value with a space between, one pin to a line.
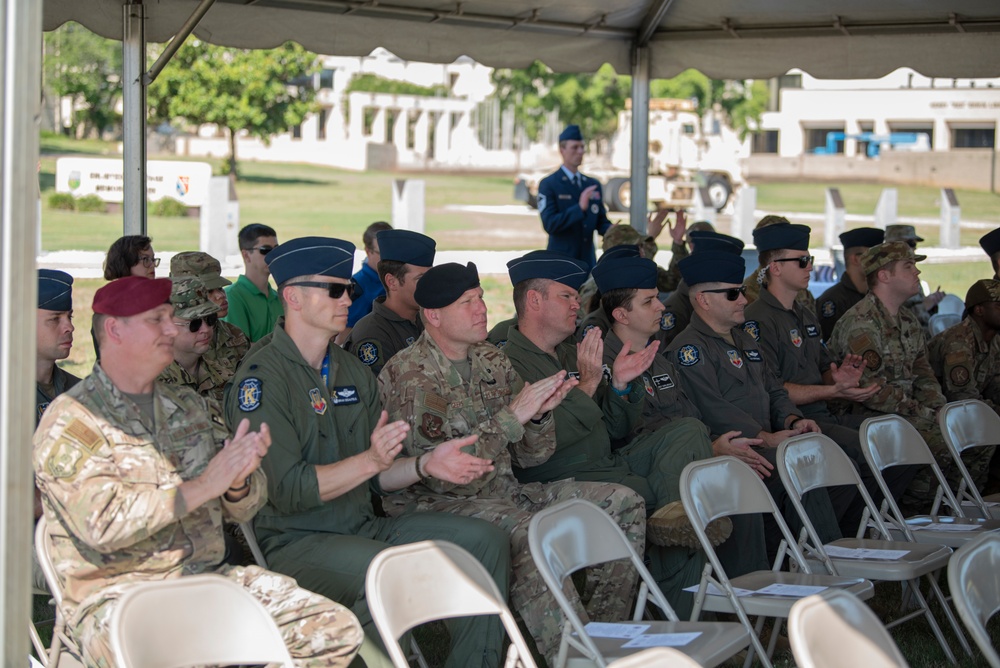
pixel 670 526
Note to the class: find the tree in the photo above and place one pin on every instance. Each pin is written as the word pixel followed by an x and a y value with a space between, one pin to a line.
pixel 237 89
pixel 739 103
pixel 86 69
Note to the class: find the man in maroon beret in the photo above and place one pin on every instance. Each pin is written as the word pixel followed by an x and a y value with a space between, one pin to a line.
pixel 137 478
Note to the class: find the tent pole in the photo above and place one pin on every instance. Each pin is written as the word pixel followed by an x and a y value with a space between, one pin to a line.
pixel 640 137
pixel 134 117
pixel 20 72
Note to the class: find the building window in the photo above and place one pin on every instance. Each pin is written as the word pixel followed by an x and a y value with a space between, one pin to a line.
pixel 765 141
pixel 321 124
pixel 297 131
pixel 816 140
pixel 325 79
pixel 790 81
pixel 973 138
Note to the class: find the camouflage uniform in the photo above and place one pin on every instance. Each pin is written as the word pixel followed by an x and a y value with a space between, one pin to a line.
pixel 835 302
pixel 110 478
pixel 968 368
pixel 380 335
pixel 420 385
pixel 585 429
pixel 896 354
pixel 61 381
pixel 229 346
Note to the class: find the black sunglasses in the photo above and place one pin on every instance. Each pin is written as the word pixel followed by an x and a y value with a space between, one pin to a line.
pixel 732 294
pixel 263 250
pixel 336 290
pixel 194 325
pixel 803 261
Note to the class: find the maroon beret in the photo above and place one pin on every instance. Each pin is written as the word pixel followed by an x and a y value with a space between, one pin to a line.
pixel 131 295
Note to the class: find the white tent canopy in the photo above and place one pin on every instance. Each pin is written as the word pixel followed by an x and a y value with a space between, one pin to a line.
pixel 722 38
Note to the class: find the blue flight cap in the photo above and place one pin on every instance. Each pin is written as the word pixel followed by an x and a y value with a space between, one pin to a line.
pixel 625 272
pixel 991 242
pixel 406 246
pixel 55 290
pixel 863 237
pixel 783 235
pixel 627 250
pixel 713 267
pixel 571 132
pixel 311 256
pixel 713 241
pixel 550 265
pixel 442 285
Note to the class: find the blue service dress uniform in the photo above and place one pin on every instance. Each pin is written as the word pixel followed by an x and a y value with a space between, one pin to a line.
pixel 570 228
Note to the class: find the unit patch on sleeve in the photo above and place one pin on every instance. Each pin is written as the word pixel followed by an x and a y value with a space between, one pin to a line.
pixel 828 309
pixel 959 375
pixel 873 359
pixel 688 355
pixel 752 328
pixel 249 393
pixel 368 353
pixel 668 321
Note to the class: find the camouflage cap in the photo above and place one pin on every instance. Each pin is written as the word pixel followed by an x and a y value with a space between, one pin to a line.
pixel 624 234
pixel 901 233
pixel 986 290
pixel 200 265
pixel 190 298
pixel 879 256
pixel 701 226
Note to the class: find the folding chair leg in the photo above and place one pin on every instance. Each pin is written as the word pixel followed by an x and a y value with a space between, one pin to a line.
pixel 416 654
pixel 939 595
pixel 915 588
pixel 36 641
pixel 755 645
pixel 773 640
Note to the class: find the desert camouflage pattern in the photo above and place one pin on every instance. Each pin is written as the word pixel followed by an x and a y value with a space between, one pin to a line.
pixel 211 380
pixel 886 253
pixel 200 265
pixel 109 477
pixel 189 297
pixel 419 385
pixel 229 346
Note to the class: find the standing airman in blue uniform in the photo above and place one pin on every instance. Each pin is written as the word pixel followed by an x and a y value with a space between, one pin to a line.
pixel 570 203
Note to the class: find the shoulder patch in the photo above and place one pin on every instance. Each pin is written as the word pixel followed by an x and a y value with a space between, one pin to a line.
pixel 368 353
pixel 434 402
pixel 249 394
pixel 688 355
pixel 956 357
pixel 873 359
pixel 959 375
pixel 83 434
pixel 828 309
pixel 65 459
pixel 501 343
pixel 668 321
pixel 752 327
pixel 542 199
pixel 861 343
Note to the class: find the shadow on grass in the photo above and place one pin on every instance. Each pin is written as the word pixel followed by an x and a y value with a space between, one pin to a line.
pixel 274 180
pixel 46 181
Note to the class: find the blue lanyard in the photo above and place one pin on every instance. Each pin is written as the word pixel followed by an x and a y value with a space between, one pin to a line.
pixel 325 370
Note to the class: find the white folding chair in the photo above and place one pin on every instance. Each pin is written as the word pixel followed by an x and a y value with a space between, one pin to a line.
pixel 725 486
pixel 218 621
pixel 410 585
pixel 814 461
pixel 836 630
pixel 577 534
pixel 56 656
pixel 942 321
pixel 951 304
pixel 974 580
pixel 965 425
pixel 246 528
pixel 889 440
pixel 656 657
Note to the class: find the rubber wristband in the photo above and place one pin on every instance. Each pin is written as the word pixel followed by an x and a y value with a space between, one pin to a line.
pixel 420 469
pixel 628 388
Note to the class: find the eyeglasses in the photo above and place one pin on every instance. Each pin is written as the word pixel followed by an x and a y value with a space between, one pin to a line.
pixel 336 290
pixel 803 261
pixel 194 325
pixel 148 262
pixel 263 250
pixel 732 294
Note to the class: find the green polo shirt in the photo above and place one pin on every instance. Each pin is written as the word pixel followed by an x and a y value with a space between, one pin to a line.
pixel 251 310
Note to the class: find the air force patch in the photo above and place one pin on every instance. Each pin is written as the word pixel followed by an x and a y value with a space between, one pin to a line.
pixel 752 328
pixel 796 337
pixel 812 331
pixel 368 353
pixel 828 309
pixel 688 355
pixel 249 393
pixel 317 401
pixel 735 359
pixel 346 395
pixel 668 321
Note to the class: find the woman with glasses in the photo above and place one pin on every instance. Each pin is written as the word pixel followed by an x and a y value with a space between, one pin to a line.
pixel 131 255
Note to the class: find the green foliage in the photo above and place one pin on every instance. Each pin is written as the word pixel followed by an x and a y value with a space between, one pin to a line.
pixel 238 89
pixel 62 201
pixel 87 69
pixel 592 101
pixel 373 83
pixel 739 102
pixel 168 207
pixel 91 204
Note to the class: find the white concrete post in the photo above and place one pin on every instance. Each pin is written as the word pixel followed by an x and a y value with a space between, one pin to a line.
pixel 421 133
pixel 885 210
pixel 215 227
pixel 951 214
pixel 378 126
pixel 356 122
pixel 442 136
pixel 408 204
pixel 703 208
pixel 835 214
pixel 743 214
pixel 400 131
